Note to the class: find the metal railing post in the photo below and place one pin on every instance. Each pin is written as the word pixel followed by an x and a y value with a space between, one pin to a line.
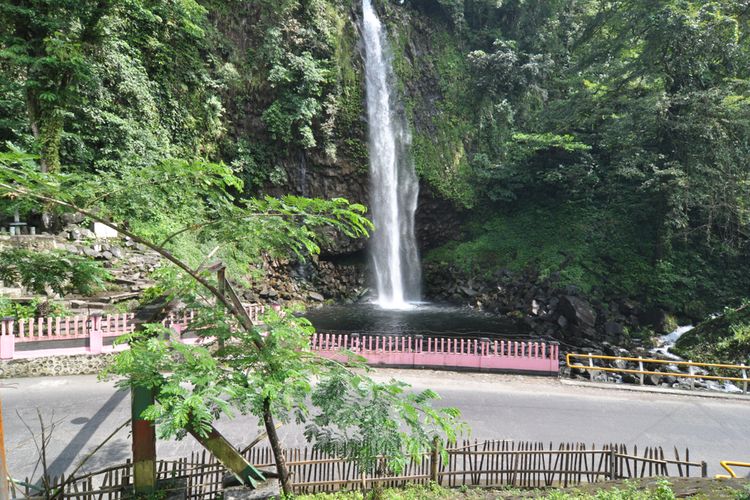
pixel 591 365
pixel 744 377
pixel 691 371
pixel 640 368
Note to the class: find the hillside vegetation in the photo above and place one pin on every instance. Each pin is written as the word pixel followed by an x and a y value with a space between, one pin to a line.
pixel 724 339
pixel 608 142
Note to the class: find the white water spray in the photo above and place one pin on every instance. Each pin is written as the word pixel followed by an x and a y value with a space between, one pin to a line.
pixel 393 183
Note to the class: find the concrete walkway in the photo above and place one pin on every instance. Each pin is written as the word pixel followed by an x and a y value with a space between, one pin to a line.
pixel 82 412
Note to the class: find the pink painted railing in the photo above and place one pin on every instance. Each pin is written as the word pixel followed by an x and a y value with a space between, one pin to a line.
pixel 72 327
pixel 409 351
pixel 418 351
pixel 94 328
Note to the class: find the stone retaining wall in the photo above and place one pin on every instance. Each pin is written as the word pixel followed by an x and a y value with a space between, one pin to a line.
pixel 83 364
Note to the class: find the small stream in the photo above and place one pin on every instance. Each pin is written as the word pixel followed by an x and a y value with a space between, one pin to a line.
pixel 665 343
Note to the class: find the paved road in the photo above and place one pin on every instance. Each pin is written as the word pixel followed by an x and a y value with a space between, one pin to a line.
pixel 83 412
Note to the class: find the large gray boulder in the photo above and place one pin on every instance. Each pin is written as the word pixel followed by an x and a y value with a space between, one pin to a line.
pixel 577 311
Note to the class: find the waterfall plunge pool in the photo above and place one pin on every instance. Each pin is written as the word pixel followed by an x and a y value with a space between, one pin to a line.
pixel 421 319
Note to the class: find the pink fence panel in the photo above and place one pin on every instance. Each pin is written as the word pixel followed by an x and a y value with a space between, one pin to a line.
pixel 441 352
pixel 114 325
pixel 94 328
pixel 255 311
pixel 387 350
pixel 40 329
pixel 7 339
pixel 413 351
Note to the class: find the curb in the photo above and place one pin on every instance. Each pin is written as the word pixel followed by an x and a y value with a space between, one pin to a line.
pixel 656 390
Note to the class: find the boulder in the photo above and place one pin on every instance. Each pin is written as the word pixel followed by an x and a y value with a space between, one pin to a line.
pixel 315 296
pixel 71 218
pixel 577 311
pixel 655 318
pixel 613 329
pixel 628 307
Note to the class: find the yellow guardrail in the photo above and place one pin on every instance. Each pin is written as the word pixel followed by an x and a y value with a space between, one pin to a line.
pixel 728 464
pixel 641 371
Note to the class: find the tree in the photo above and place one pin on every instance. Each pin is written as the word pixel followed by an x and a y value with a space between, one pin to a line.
pixel 47 273
pixel 106 83
pixel 267 375
pixel 44 44
pixel 664 95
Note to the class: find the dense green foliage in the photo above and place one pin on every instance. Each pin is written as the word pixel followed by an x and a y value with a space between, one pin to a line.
pixel 609 137
pixel 724 339
pixel 627 123
pixel 14 309
pixel 104 84
pixel 51 272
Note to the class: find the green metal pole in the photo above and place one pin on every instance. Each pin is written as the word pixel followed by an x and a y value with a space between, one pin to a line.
pixel 144 442
pixel 144 434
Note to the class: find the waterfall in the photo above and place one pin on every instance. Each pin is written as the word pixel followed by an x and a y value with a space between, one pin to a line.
pixel 393 182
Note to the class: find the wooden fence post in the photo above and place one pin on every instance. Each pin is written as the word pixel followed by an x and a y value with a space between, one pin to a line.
pixel 612 463
pixel 704 469
pixel 434 459
pixel 7 339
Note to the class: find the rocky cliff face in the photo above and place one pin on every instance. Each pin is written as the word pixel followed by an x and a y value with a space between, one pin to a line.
pixel 341 169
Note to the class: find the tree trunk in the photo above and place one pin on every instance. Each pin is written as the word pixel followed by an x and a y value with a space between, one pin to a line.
pixel 278 452
pixel 47 128
pixel 48 145
pixel 51 137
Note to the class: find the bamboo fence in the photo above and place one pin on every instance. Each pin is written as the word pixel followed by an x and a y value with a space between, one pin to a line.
pixel 482 464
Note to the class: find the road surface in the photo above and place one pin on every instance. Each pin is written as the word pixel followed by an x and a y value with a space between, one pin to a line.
pixel 83 412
